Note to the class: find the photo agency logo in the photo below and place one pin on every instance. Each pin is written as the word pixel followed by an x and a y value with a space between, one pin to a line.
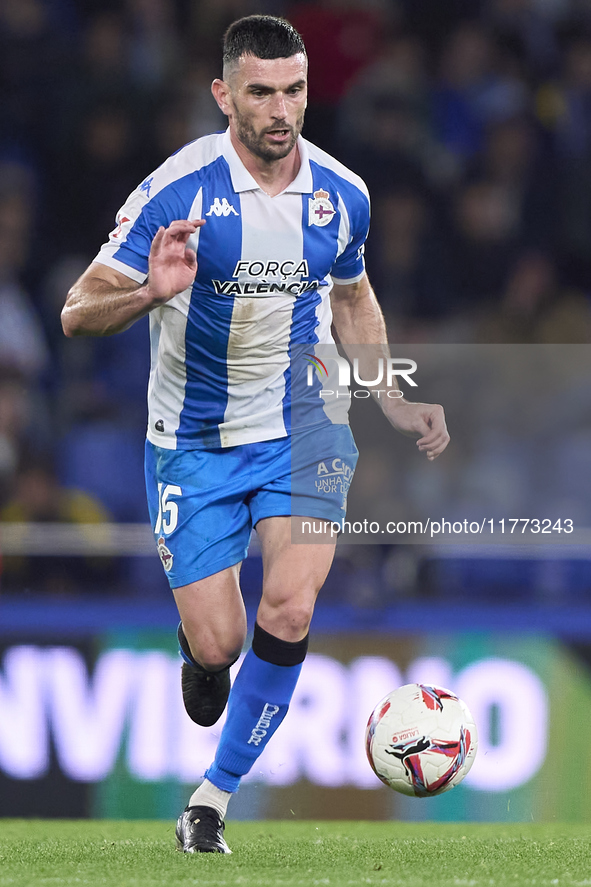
pixel 387 371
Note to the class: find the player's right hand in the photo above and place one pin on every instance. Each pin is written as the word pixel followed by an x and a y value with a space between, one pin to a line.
pixel 172 265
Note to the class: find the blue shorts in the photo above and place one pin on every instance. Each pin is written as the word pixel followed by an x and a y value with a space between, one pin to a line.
pixel 204 503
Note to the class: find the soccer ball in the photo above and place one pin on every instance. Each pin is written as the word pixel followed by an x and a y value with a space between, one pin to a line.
pixel 421 740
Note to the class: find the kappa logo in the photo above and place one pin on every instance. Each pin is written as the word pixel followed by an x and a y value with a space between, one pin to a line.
pixel 320 209
pixel 146 185
pixel 221 208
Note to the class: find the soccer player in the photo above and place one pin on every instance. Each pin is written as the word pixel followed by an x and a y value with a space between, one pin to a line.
pixel 241 246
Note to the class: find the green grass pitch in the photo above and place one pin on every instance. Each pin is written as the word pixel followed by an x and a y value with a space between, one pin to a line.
pixel 116 854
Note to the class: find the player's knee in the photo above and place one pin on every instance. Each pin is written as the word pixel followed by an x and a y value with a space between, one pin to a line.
pixel 289 620
pixel 214 652
pixel 298 622
pixel 215 659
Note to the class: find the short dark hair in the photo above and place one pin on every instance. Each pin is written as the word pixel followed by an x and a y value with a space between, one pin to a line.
pixel 264 36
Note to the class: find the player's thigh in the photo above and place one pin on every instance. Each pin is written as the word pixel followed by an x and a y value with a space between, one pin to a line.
pixel 213 616
pixel 293 574
pixel 200 520
pixel 307 474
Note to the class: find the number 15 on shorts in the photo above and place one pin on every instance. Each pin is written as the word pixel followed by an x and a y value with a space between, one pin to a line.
pixel 168 510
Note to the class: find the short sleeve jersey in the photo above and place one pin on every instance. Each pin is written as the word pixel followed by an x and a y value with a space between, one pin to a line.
pixel 220 351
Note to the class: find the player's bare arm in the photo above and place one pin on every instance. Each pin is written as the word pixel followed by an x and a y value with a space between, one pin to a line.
pixel 103 301
pixel 358 320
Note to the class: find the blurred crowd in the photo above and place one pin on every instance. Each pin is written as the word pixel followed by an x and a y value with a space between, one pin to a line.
pixel 470 120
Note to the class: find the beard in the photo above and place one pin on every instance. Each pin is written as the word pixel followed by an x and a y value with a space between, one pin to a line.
pixel 256 143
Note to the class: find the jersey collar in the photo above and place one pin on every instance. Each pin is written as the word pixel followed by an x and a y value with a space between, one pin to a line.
pixel 243 181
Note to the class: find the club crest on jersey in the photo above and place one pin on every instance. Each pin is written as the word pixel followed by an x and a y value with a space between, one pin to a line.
pixel 320 209
pixel 165 554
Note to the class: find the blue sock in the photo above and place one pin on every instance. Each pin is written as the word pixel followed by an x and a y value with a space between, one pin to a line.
pixel 258 702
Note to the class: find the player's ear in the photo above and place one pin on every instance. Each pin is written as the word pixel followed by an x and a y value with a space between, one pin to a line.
pixel 221 93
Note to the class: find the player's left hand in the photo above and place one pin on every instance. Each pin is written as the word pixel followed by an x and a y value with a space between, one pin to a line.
pixel 423 420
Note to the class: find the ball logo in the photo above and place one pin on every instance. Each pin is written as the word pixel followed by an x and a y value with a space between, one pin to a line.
pixel 405 735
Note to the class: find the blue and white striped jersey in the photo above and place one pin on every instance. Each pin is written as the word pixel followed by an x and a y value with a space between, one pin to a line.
pixel 220 373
